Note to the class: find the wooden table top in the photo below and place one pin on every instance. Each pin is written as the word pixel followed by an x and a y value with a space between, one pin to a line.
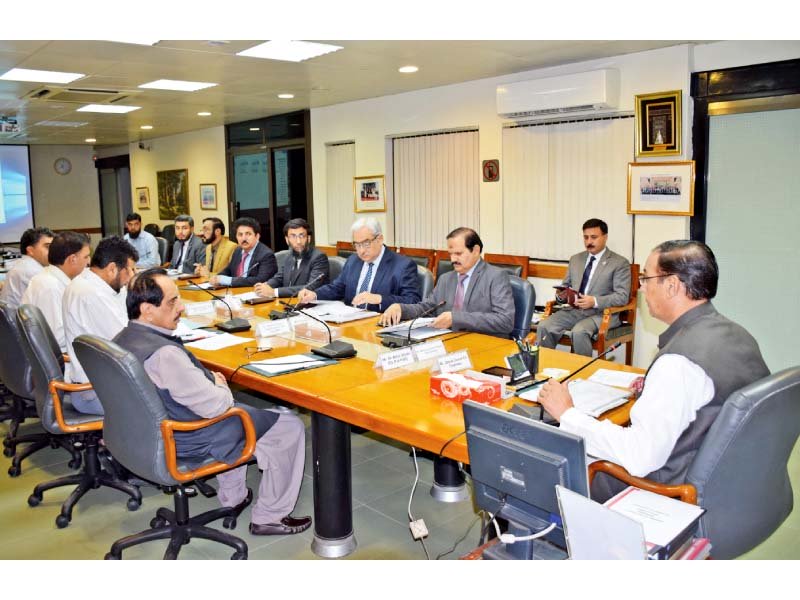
pixel 396 403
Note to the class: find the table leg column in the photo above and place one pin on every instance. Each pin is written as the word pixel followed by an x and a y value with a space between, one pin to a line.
pixel 448 481
pixel 333 490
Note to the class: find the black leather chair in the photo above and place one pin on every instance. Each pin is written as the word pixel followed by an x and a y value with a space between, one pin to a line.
pixel 162 249
pixel 425 278
pixel 336 264
pixel 140 435
pixel 443 263
pixel 280 256
pixel 524 301
pixel 153 229
pixel 168 233
pixel 345 249
pixel 59 417
pixel 15 371
pixel 739 474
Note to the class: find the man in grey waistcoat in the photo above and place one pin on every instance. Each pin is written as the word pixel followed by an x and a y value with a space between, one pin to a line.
pixel 702 359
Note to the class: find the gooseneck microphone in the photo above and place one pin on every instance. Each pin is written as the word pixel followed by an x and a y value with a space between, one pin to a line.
pixel 232 325
pixel 395 341
pixel 576 371
pixel 289 311
pixel 335 350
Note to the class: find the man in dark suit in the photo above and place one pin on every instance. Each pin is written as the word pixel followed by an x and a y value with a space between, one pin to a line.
pixel 477 295
pixel 374 277
pixel 188 249
pixel 602 279
pixel 252 261
pixel 304 264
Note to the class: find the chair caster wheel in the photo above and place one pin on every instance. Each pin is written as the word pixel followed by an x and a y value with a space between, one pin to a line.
pixel 62 521
pixel 75 463
pixel 229 522
pixel 239 556
pixel 34 500
pixel 110 556
pixel 9 451
pixel 133 504
pixel 155 523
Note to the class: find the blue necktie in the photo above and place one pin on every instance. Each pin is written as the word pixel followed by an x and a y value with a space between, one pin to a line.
pixel 586 272
pixel 365 284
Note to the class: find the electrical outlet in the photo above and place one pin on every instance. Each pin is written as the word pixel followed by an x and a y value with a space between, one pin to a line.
pixel 418 529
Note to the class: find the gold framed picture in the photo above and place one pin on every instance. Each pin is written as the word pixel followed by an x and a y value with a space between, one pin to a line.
pixel 143 198
pixel 658 123
pixel 369 194
pixel 661 188
pixel 208 196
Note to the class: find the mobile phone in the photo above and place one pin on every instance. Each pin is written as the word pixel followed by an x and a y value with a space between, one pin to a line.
pixel 517 365
pixel 497 371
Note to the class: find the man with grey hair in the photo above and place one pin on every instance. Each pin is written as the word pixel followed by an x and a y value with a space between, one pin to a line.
pixel 189 249
pixel 374 278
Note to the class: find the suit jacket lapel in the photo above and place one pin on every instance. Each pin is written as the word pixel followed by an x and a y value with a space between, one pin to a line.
pixel 599 269
pixel 472 282
pixel 383 268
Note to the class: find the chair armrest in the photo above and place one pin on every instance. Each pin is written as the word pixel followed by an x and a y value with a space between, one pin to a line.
pixel 607 312
pixel 66 358
pixel 685 491
pixel 54 387
pixel 548 308
pixel 168 428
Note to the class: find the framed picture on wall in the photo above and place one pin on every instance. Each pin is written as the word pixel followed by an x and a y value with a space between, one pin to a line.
pixel 369 194
pixel 661 188
pixel 143 198
pixel 208 196
pixel 658 124
pixel 173 193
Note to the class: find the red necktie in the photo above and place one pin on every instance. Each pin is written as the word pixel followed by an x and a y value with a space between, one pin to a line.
pixel 240 268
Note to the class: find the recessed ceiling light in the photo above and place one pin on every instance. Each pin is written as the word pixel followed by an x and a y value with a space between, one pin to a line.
pixel 90 140
pixel 108 108
pixel 294 51
pixel 408 69
pixel 204 113
pixel 146 127
pixel 61 124
pixel 137 41
pixel 177 85
pixel 40 76
pixel 286 96
pixel 255 129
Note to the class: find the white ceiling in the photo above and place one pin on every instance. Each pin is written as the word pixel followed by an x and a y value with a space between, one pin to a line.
pixel 248 87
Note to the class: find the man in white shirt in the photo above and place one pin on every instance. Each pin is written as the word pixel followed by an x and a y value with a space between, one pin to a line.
pixel 144 242
pixel 34 246
pixel 703 358
pixel 94 303
pixel 68 256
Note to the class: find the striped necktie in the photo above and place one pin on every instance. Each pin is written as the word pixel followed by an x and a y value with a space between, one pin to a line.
pixel 365 284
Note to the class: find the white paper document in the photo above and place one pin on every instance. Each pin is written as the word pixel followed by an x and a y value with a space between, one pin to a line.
pixel 588 397
pixel 339 312
pixel 247 296
pixel 421 322
pixel 188 331
pixel 293 362
pixel 621 379
pixel 218 342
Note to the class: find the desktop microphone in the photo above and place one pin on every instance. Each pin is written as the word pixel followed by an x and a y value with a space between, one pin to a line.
pixel 232 325
pixel 335 350
pixel 396 341
pixel 285 314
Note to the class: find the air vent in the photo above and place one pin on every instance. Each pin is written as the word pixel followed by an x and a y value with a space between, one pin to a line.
pixel 77 95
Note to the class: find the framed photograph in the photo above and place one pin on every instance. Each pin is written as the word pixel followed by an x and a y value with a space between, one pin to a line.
pixel 658 124
pixel 661 188
pixel 208 196
pixel 143 198
pixel 173 193
pixel 369 194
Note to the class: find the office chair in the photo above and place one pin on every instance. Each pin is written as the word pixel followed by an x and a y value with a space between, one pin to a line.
pixel 162 249
pixel 422 256
pixel 58 417
pixel 153 229
pixel 336 264
pixel 524 301
pixel 141 437
pixel 739 474
pixel 280 256
pixel 168 233
pixel 15 371
pixel 425 279
pixel 443 263
pixel 345 249
pixel 514 264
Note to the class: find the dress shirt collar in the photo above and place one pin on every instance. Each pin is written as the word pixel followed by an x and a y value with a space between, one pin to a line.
pixel 597 256
pixel 58 274
pixel 99 283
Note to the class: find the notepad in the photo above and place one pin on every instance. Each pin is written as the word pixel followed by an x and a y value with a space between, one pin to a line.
pixel 288 364
pixel 621 379
pixel 218 342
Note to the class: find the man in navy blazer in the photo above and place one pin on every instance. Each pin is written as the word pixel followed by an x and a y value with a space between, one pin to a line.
pixel 374 278
pixel 251 262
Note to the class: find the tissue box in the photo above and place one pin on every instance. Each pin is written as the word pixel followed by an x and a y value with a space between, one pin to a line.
pixel 467 386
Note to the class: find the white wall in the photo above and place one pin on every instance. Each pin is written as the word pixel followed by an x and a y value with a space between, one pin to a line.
pixel 723 55
pixel 202 152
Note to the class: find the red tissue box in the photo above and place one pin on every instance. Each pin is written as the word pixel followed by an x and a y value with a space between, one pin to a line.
pixel 473 386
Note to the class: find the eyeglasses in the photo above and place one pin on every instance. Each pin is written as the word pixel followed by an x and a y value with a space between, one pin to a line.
pixel 365 243
pixel 643 278
pixel 297 236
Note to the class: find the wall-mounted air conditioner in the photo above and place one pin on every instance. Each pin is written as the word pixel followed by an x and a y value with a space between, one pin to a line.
pixel 593 91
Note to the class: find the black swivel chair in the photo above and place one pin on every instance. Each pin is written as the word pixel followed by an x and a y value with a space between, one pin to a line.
pixel 59 418
pixel 168 233
pixel 280 256
pixel 141 437
pixel 15 371
pixel 162 249
pixel 336 264
pixel 425 278
pixel 153 229
pixel 524 301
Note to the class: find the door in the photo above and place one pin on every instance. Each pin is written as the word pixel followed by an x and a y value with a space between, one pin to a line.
pixel 115 198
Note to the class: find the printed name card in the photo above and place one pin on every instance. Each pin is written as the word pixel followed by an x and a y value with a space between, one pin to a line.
pixel 395 359
pixel 429 350
pixel 198 308
pixel 455 361
pixel 271 328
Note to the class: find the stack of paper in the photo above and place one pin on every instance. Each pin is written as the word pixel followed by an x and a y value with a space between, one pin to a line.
pixel 286 364
pixel 588 397
pixel 621 379
pixel 339 312
pixel 218 342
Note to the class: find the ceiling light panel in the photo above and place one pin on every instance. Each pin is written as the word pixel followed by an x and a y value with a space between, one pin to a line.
pixel 137 41
pixel 177 85
pixel 40 76
pixel 60 124
pixel 294 51
pixel 108 108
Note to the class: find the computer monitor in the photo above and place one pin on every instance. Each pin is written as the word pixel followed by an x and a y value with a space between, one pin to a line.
pixel 516 463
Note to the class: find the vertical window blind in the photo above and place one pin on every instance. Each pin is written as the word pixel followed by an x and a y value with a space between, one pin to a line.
pixel 556 176
pixel 340 167
pixel 436 180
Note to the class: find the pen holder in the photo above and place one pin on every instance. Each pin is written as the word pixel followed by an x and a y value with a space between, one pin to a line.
pixel 531 361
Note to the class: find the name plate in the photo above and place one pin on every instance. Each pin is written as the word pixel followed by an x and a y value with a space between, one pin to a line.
pixel 429 350
pixel 198 308
pixel 455 361
pixel 271 328
pixel 395 359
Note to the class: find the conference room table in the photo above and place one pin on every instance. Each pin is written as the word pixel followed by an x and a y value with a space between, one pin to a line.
pixel 396 403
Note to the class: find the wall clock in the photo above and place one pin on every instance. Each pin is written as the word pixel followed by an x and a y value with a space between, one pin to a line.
pixel 62 166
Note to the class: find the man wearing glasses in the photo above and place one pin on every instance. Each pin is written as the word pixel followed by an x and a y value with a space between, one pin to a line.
pixel 601 278
pixel 304 264
pixel 374 278
pixel 702 359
